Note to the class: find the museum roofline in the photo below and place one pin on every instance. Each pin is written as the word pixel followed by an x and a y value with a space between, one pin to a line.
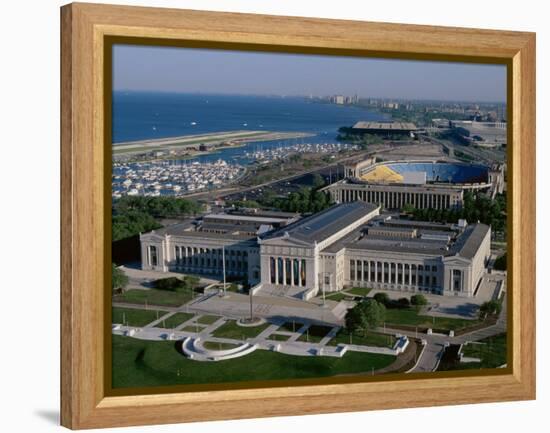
pixel 322 225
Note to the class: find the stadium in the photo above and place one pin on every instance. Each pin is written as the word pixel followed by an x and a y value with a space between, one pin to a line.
pixel 422 184
pixel 426 172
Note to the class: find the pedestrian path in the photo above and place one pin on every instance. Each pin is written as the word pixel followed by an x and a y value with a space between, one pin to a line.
pixel 331 334
pixel 159 320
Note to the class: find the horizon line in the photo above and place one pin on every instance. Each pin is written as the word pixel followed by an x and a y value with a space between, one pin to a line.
pixel 295 95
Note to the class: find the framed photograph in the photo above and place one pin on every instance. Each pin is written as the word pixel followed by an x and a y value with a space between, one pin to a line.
pixel 267 216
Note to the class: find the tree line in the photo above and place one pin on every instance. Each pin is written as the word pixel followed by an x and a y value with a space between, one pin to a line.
pixel 134 215
pixel 304 201
pixel 347 134
pixel 476 207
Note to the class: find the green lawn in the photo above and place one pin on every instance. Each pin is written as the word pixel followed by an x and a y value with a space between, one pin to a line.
pixel 338 296
pixel 155 297
pixel 175 320
pixel 315 333
pixel 207 320
pixel 359 291
pixel 156 363
pixel 409 316
pixel 213 345
pixel 230 329
pixel 368 339
pixel 491 351
pixel 134 317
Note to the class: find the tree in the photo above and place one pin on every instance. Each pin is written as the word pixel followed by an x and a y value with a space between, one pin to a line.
pixel 382 298
pixel 476 207
pixel 305 200
pixel 366 315
pixel 171 284
pixel 374 313
pixel 355 319
pixel 403 302
pixel 318 181
pixel 501 263
pixel 175 284
pixel 419 300
pixel 119 280
pixel 408 208
pixel 489 307
pixel 130 223
pixel 244 204
pixel 134 215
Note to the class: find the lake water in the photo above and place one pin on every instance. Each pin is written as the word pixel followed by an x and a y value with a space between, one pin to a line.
pixel 141 116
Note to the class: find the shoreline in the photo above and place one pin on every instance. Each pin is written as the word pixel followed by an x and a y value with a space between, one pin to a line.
pixel 217 140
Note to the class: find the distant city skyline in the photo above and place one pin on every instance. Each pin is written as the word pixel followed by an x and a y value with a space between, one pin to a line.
pixel 187 70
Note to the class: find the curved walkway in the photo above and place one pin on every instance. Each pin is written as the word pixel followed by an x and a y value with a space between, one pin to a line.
pixel 194 349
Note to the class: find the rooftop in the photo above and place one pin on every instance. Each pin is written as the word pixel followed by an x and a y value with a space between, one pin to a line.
pixel 322 225
pixel 467 245
pixel 463 242
pixel 188 229
pixel 244 218
pixel 384 126
pixel 255 212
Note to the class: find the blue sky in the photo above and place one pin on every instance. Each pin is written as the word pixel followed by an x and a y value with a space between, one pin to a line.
pixel 238 72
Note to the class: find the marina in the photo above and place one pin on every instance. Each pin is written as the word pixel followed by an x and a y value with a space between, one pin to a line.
pixel 171 178
pixel 283 152
pixel 180 144
pixel 181 177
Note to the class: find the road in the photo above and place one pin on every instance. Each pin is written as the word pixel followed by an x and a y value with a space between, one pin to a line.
pixel 223 192
pixel 486 156
pixel 435 343
pixel 326 169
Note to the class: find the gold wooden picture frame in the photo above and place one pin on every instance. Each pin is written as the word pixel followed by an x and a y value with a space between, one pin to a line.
pixel 88 32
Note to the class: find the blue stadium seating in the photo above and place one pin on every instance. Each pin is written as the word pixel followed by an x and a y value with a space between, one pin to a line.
pixel 444 171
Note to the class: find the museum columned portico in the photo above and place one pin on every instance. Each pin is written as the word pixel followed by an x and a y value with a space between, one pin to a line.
pixel 287 271
pixel 347 245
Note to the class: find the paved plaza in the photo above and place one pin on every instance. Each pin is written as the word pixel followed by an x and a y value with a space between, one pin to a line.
pixel 279 309
pixel 269 335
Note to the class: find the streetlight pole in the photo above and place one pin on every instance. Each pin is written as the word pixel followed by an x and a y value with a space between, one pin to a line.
pixel 223 261
pixel 323 280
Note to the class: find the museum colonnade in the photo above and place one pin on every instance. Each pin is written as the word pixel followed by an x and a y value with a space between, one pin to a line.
pixel 287 271
pixel 394 199
pixel 383 272
pixel 210 260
